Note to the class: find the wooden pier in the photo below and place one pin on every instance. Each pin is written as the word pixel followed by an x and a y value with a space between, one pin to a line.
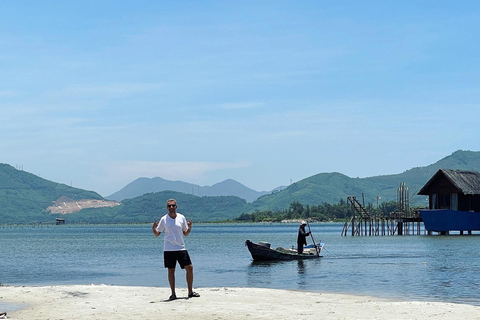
pixel 397 223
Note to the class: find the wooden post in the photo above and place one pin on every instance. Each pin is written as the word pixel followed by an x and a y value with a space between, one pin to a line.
pixel 353 225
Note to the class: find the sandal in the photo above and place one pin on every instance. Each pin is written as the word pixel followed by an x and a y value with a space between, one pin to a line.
pixel 193 295
pixel 172 297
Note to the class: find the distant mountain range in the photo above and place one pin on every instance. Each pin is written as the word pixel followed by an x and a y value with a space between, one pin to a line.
pixel 317 189
pixel 228 187
pixel 25 197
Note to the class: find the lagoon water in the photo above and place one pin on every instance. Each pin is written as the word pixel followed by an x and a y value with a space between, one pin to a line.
pixel 433 268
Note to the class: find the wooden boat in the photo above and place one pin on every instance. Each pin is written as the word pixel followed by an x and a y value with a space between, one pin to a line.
pixel 263 252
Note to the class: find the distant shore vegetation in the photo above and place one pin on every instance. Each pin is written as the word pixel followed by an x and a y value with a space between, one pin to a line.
pixel 324 212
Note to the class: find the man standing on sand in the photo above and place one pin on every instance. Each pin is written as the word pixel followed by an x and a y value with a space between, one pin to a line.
pixel 175 227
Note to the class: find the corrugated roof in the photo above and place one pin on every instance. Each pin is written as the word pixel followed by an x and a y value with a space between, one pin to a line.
pixel 468 182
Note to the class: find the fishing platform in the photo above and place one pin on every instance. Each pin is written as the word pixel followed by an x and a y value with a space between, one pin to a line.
pixel 400 222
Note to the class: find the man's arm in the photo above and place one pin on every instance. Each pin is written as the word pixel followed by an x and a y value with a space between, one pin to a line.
pixel 189 224
pixel 154 228
pixel 304 233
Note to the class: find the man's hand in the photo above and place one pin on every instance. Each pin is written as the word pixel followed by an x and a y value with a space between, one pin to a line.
pixel 154 228
pixel 189 226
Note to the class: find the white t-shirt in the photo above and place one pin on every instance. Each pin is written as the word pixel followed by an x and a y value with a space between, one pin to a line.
pixel 173 228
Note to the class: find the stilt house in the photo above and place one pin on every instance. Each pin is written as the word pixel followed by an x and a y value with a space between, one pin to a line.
pixel 453 201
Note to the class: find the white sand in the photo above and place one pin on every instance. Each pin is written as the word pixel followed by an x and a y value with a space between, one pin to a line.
pixel 115 302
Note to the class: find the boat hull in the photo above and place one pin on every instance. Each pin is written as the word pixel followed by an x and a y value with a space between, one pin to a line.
pixel 264 253
pixel 443 220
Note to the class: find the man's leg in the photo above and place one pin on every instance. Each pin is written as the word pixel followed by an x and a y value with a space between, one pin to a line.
pixel 171 279
pixel 300 249
pixel 189 270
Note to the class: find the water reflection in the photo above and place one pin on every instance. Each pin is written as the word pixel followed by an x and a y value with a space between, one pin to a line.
pixel 302 274
pixel 280 273
pixel 301 267
pixel 259 273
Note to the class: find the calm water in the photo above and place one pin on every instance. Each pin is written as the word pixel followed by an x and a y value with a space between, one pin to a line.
pixel 435 268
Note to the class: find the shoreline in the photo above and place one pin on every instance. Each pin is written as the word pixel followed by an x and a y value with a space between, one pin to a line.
pixel 124 302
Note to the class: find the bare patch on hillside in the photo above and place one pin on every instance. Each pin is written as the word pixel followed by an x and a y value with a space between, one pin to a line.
pixel 65 205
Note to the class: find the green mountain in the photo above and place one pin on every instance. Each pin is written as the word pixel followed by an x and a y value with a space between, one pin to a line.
pixel 314 190
pixel 331 187
pixel 151 206
pixel 25 197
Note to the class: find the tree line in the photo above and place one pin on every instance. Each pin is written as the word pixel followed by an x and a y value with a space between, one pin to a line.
pixel 324 212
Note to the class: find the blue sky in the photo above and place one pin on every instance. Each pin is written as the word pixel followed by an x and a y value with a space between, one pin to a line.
pixel 95 94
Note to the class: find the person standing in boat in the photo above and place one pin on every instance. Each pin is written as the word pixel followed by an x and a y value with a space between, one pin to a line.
pixel 302 237
pixel 175 226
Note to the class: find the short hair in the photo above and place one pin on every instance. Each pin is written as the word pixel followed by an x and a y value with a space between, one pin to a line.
pixel 171 200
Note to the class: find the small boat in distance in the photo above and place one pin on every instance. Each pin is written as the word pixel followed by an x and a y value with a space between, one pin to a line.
pixel 263 252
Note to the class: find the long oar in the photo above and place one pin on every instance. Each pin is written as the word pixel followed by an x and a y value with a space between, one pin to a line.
pixel 311 235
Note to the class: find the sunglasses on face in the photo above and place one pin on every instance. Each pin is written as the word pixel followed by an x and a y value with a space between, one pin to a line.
pixel 171 205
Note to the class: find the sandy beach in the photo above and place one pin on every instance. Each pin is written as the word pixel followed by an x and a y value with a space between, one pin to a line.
pixel 119 302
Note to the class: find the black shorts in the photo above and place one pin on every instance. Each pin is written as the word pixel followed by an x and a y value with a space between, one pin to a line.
pixel 170 259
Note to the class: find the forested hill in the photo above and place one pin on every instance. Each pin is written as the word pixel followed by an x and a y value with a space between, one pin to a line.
pixel 322 188
pixel 331 187
pixel 25 196
pixel 151 206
